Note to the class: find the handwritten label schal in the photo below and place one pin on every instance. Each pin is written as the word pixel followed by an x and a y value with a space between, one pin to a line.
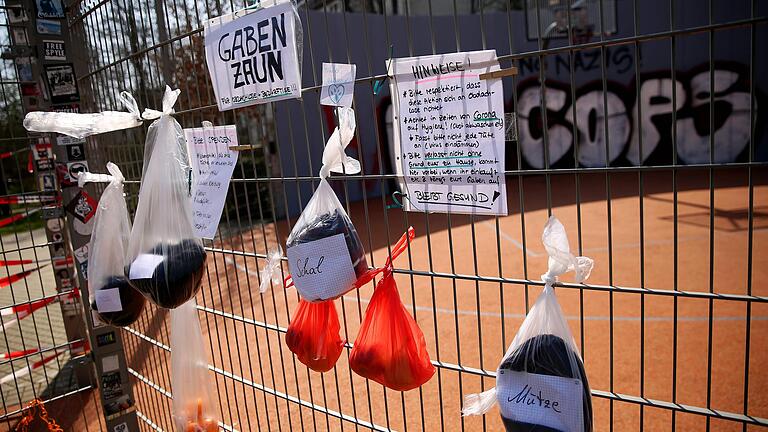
pixel 449 132
pixel 213 163
pixel 547 400
pixel 321 269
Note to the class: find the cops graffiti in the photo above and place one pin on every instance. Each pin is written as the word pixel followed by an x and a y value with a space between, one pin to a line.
pixel 609 126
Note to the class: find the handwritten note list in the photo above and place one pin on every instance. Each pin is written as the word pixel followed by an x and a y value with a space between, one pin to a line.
pixel 213 163
pixel 450 132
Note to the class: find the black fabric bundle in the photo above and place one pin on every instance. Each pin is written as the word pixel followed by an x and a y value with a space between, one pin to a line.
pixel 177 278
pixel 131 300
pixel 330 224
pixel 547 355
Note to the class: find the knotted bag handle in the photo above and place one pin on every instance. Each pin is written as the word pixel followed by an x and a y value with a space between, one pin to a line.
pixel 398 249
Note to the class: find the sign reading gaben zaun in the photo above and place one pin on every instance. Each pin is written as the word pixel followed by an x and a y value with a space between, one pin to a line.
pixel 252 56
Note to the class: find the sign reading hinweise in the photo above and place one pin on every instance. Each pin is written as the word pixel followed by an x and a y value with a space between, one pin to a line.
pixel 449 132
pixel 252 57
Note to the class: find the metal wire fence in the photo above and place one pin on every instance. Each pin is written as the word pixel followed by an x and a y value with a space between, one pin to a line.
pixel 672 323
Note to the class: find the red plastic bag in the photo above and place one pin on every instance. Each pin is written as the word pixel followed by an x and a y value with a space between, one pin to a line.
pixel 314 335
pixel 390 347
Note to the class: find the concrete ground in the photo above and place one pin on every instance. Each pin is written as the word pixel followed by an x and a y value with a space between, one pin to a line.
pixel 654 346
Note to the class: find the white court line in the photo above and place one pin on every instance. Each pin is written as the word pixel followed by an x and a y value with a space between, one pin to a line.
pixel 512 240
pixel 409 307
pixel 240 267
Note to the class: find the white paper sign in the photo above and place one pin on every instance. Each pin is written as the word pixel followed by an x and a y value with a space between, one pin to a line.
pixel 213 162
pixel 144 266
pixel 546 400
pixel 338 84
pixel 108 300
pixel 252 57
pixel 449 132
pixel 321 269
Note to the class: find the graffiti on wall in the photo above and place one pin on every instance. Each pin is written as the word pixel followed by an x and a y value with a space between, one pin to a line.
pixel 625 125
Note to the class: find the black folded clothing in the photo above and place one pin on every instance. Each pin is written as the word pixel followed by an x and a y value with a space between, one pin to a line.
pixel 547 355
pixel 177 278
pixel 131 300
pixel 330 224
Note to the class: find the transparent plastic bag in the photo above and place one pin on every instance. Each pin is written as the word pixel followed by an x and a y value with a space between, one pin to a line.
pixel 541 382
pixel 82 125
pixel 313 335
pixel 390 347
pixel 166 261
pixel 111 296
pixel 193 394
pixel 322 220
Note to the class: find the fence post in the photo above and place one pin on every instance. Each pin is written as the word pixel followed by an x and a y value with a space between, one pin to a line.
pixel 60 59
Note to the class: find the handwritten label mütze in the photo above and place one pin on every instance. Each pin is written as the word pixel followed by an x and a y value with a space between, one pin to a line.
pixel 541 382
pixel 166 260
pixel 111 297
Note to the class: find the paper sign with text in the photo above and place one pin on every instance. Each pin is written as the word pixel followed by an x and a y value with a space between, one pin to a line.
pixel 213 163
pixel 252 56
pixel 338 84
pixel 321 269
pixel 545 400
pixel 449 132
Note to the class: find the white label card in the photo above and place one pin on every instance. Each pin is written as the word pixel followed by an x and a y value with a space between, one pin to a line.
pixel 213 163
pixel 449 137
pixel 545 400
pixel 144 266
pixel 321 269
pixel 338 84
pixel 252 57
pixel 108 300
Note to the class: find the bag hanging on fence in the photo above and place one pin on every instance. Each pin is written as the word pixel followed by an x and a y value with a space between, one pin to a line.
pixel 325 254
pixel 82 125
pixel 111 296
pixel 165 260
pixel 193 398
pixel 541 383
pixel 313 335
pixel 390 347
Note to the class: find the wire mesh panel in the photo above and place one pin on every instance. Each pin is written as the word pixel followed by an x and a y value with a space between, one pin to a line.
pixel 638 126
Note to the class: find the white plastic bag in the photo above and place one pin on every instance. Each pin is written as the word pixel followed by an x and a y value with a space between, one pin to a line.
pixel 111 296
pixel 271 270
pixel 325 254
pixel 166 261
pixel 193 394
pixel 541 380
pixel 83 125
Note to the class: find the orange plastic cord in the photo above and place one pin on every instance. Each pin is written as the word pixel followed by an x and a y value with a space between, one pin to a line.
pixel 36 409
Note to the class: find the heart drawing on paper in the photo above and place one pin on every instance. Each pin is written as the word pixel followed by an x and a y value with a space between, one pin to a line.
pixel 335 92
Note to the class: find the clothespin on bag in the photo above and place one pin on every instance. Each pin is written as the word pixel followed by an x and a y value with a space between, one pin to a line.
pixel 512 71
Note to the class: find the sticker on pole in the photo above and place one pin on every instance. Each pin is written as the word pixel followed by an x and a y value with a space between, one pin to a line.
pixel 545 400
pixel 253 57
pixel 213 163
pixel 449 138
